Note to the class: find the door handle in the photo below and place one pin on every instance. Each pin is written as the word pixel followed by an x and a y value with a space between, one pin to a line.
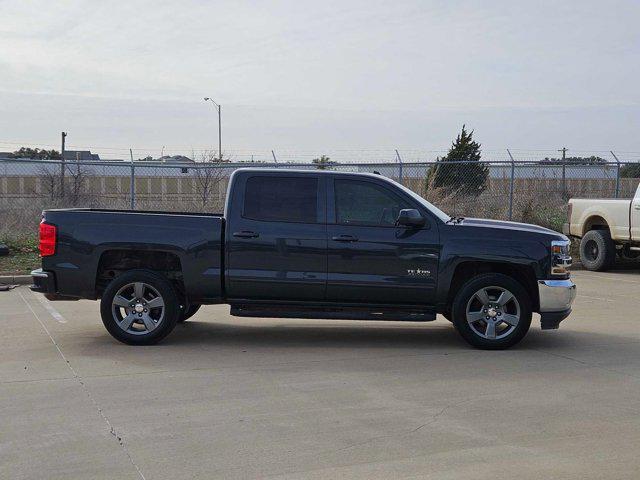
pixel 637 206
pixel 344 238
pixel 246 234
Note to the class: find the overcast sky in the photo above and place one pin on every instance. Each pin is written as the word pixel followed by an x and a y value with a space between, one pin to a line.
pixel 305 78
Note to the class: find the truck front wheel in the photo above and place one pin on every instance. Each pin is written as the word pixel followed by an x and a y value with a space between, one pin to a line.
pixel 492 311
pixel 140 307
pixel 597 250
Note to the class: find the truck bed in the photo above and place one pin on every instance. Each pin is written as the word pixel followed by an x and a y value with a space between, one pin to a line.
pixel 86 237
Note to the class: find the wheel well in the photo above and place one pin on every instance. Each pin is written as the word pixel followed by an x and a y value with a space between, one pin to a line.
pixel 115 262
pixel 522 273
pixel 595 223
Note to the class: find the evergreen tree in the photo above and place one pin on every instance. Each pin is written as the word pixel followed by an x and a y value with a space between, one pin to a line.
pixel 28 152
pixel 323 163
pixel 465 178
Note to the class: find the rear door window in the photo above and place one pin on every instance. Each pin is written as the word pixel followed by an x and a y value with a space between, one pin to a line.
pixel 281 199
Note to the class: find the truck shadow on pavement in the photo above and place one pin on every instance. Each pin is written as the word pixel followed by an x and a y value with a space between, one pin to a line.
pixel 431 335
pixel 295 334
pixel 204 343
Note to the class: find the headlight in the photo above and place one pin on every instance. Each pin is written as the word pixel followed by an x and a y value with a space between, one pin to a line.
pixel 560 258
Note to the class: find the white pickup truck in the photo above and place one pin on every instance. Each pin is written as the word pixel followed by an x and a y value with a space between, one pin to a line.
pixel 606 227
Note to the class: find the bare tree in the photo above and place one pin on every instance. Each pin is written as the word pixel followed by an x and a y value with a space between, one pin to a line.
pixel 75 185
pixel 78 174
pixel 49 181
pixel 209 174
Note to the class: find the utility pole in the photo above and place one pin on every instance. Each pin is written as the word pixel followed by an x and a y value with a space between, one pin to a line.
pixel 564 170
pixel 64 135
pixel 564 153
pixel 220 133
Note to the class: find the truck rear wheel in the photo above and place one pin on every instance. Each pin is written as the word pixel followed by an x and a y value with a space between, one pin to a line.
pixel 492 311
pixel 140 307
pixel 597 250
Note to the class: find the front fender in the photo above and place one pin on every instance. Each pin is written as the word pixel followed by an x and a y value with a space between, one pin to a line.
pixel 531 254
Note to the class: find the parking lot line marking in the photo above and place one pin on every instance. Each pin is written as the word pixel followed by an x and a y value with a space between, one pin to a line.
pixel 52 311
pixel 75 374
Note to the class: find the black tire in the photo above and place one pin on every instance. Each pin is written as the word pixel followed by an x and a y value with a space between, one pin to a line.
pixel 597 250
pixel 153 281
pixel 467 294
pixel 189 312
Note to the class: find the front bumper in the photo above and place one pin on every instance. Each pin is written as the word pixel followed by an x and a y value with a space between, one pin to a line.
pixel 556 297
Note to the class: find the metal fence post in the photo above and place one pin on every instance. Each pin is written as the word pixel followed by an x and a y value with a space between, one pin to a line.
pixel 132 182
pixel 511 182
pixel 399 160
pixel 617 175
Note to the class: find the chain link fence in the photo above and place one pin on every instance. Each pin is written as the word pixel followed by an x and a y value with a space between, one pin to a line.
pixel 527 191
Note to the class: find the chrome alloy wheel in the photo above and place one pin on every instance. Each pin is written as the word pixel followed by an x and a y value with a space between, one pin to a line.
pixel 493 313
pixel 138 308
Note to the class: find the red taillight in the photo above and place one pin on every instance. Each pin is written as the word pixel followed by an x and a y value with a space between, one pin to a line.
pixel 47 239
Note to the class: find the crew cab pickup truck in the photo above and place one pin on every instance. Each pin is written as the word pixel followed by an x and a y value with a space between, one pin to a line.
pixel 308 244
pixel 606 228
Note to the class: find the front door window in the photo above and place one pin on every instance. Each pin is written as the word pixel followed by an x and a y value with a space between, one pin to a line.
pixel 366 204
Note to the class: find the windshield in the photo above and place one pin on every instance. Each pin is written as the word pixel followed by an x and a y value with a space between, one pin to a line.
pixel 428 205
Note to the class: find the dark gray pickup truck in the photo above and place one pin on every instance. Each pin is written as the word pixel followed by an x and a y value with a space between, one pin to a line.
pixel 308 244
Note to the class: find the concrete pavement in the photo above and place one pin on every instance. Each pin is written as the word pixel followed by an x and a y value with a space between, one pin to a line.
pixel 248 398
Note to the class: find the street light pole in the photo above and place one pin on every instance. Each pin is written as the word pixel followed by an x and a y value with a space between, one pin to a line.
pixel 64 136
pixel 219 108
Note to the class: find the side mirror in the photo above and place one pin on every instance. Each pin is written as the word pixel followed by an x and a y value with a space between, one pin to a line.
pixel 410 217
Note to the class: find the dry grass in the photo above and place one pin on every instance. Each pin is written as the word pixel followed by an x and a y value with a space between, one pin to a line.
pixel 20 220
pixel 19 263
pixel 547 209
pixel 23 254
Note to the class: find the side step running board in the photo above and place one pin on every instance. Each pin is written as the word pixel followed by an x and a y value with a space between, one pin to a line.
pixel 332 313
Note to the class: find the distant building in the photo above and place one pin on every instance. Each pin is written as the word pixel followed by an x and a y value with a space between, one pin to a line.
pixel 175 159
pixel 82 155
